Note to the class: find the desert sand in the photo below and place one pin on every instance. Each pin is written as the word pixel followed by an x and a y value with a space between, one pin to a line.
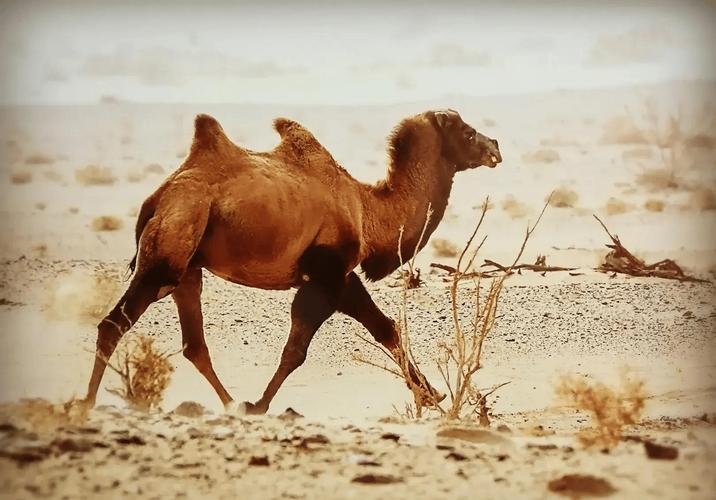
pixel 73 177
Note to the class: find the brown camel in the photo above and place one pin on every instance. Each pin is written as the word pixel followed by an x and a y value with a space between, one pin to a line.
pixel 290 217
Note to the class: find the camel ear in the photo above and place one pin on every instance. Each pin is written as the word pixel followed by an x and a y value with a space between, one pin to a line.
pixel 441 118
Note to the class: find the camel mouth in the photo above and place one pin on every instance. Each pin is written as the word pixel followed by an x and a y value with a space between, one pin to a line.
pixel 491 162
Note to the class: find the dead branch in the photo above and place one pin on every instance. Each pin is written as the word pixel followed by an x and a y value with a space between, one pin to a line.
pixel 621 260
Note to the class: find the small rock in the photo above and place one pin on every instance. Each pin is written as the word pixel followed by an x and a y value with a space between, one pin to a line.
pixel 660 452
pixel 290 414
pixel 136 440
pixel 578 485
pixel 503 428
pixel 77 445
pixel 221 432
pixel 376 479
pixel 454 455
pixel 189 409
pixel 391 436
pixel 259 460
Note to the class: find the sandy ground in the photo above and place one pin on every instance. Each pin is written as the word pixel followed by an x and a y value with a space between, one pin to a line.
pixel 350 430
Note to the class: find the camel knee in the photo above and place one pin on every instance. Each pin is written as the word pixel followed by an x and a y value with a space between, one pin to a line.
pixel 109 334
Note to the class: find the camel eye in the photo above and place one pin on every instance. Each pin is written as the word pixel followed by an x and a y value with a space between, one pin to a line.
pixel 470 136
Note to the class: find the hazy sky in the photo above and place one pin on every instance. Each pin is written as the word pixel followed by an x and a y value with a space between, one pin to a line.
pixel 312 53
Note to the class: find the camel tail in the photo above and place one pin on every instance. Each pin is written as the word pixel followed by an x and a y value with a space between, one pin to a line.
pixel 145 213
pixel 208 134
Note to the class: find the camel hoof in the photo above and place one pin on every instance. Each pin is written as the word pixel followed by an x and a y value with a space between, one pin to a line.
pixel 251 409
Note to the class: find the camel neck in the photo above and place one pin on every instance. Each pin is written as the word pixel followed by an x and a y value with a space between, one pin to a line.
pixel 403 200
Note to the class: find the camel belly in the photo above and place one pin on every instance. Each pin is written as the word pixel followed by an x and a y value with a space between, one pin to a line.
pixel 255 235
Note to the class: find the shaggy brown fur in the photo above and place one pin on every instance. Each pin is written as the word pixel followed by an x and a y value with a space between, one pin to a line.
pixel 290 217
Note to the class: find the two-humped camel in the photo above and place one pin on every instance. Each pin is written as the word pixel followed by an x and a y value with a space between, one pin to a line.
pixel 290 217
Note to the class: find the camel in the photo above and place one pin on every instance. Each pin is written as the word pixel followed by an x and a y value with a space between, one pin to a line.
pixel 291 217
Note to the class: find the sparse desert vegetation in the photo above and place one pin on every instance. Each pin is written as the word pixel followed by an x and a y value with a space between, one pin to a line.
pixel 543 155
pixel 444 248
pixel 94 175
pixel 21 177
pixel 515 208
pixel 39 159
pixel 106 223
pixel 615 206
pixel 702 198
pixel 144 371
pixel 563 197
pixel 154 168
pixel 611 409
pixel 654 205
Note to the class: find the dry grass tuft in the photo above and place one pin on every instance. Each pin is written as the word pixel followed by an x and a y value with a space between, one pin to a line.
pixel 106 223
pixel 615 206
pixel 611 409
pixel 145 373
pixel 39 159
pixel 444 248
pixel 22 177
pixel 656 180
pixel 514 208
pixel 653 205
pixel 94 175
pixel 135 175
pixel 541 156
pixel 623 130
pixel 563 197
pixel 154 168
pixel 703 198
pixel 638 154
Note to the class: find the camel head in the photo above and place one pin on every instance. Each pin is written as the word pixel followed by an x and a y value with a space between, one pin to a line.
pixel 462 145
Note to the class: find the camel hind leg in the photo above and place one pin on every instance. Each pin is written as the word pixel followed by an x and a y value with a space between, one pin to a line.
pixel 187 297
pixel 166 247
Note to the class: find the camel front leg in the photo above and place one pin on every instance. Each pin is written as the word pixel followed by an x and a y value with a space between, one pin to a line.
pixel 312 305
pixel 357 303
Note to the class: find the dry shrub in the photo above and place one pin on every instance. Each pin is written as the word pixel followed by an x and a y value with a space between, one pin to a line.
pixel 611 409
pixel 514 208
pixel 80 296
pixel 703 198
pixel 145 373
pixel 40 205
pixel 106 223
pixel 94 175
pixel 700 140
pixel 638 154
pixel 22 177
pixel 39 159
pixel 135 175
pixel 40 250
pixel 541 156
pixel 53 175
pixel 659 179
pixel 563 197
pixel 623 130
pixel 459 351
pixel 615 206
pixel 444 248
pixel 154 168
pixel 73 210
pixel 652 205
